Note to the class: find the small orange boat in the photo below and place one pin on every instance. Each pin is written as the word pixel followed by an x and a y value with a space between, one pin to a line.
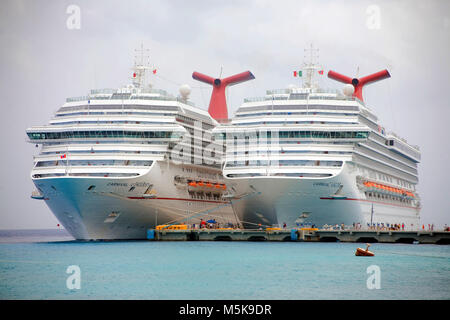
pixel 364 253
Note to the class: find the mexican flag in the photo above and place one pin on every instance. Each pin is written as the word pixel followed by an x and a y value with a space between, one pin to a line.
pixel 297 73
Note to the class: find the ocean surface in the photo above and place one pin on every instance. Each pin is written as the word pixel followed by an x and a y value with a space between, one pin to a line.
pixel 33 265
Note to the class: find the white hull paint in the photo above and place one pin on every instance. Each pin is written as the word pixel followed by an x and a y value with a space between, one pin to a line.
pixel 111 211
pixel 279 200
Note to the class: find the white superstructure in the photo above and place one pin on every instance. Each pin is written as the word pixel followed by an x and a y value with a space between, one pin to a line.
pixel 313 156
pixel 117 162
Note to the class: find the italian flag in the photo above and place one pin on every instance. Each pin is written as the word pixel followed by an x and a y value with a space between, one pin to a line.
pixel 297 73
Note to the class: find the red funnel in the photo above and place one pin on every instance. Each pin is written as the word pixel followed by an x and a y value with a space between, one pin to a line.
pixel 218 103
pixel 358 84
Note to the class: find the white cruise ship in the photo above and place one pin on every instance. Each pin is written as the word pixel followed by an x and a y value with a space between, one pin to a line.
pixel 305 155
pixel 117 162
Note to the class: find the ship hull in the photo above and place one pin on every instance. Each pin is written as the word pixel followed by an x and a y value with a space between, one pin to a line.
pixel 120 208
pixel 268 201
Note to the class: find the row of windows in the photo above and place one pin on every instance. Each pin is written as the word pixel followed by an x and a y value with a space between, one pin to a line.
pixel 304 175
pixel 291 122
pixel 298 107
pixel 294 174
pixel 102 134
pixel 287 152
pixel 294 134
pixel 103 142
pixel 108 122
pixel 102 151
pixel 265 143
pixel 114 113
pixel 111 175
pixel 325 163
pixel 244 175
pixel 127 106
pixel 379 196
pixel 63 162
pixel 291 113
pixel 324 134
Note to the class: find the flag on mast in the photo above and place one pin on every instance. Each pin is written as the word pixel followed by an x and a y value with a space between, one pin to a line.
pixel 297 73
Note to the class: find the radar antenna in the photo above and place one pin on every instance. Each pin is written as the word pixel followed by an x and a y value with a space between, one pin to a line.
pixel 311 67
pixel 141 65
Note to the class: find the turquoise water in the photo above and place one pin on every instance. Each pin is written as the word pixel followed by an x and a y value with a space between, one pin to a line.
pixel 221 270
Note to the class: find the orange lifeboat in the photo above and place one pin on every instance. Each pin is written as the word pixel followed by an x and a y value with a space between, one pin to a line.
pixel 201 184
pixel 209 185
pixel 192 184
pixel 224 187
pixel 217 186
pixel 364 253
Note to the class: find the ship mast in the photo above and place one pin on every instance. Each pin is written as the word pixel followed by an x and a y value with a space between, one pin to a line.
pixel 311 67
pixel 141 65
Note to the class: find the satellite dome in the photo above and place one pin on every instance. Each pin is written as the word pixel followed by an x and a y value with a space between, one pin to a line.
pixel 185 91
pixel 348 89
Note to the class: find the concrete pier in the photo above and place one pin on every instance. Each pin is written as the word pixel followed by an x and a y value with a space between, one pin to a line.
pixel 222 235
pixel 385 236
pixel 371 236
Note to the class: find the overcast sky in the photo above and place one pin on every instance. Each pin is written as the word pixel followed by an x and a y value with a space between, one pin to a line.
pixel 43 62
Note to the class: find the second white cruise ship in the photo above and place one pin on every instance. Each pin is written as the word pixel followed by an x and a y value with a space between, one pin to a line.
pixel 305 155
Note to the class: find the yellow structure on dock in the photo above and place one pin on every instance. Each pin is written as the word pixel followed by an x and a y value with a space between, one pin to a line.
pixel 172 227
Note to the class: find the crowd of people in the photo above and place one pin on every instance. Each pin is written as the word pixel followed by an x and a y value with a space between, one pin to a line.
pixel 382 227
pixel 212 224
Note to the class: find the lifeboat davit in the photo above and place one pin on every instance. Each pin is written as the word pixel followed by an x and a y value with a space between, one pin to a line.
pixel 366 252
